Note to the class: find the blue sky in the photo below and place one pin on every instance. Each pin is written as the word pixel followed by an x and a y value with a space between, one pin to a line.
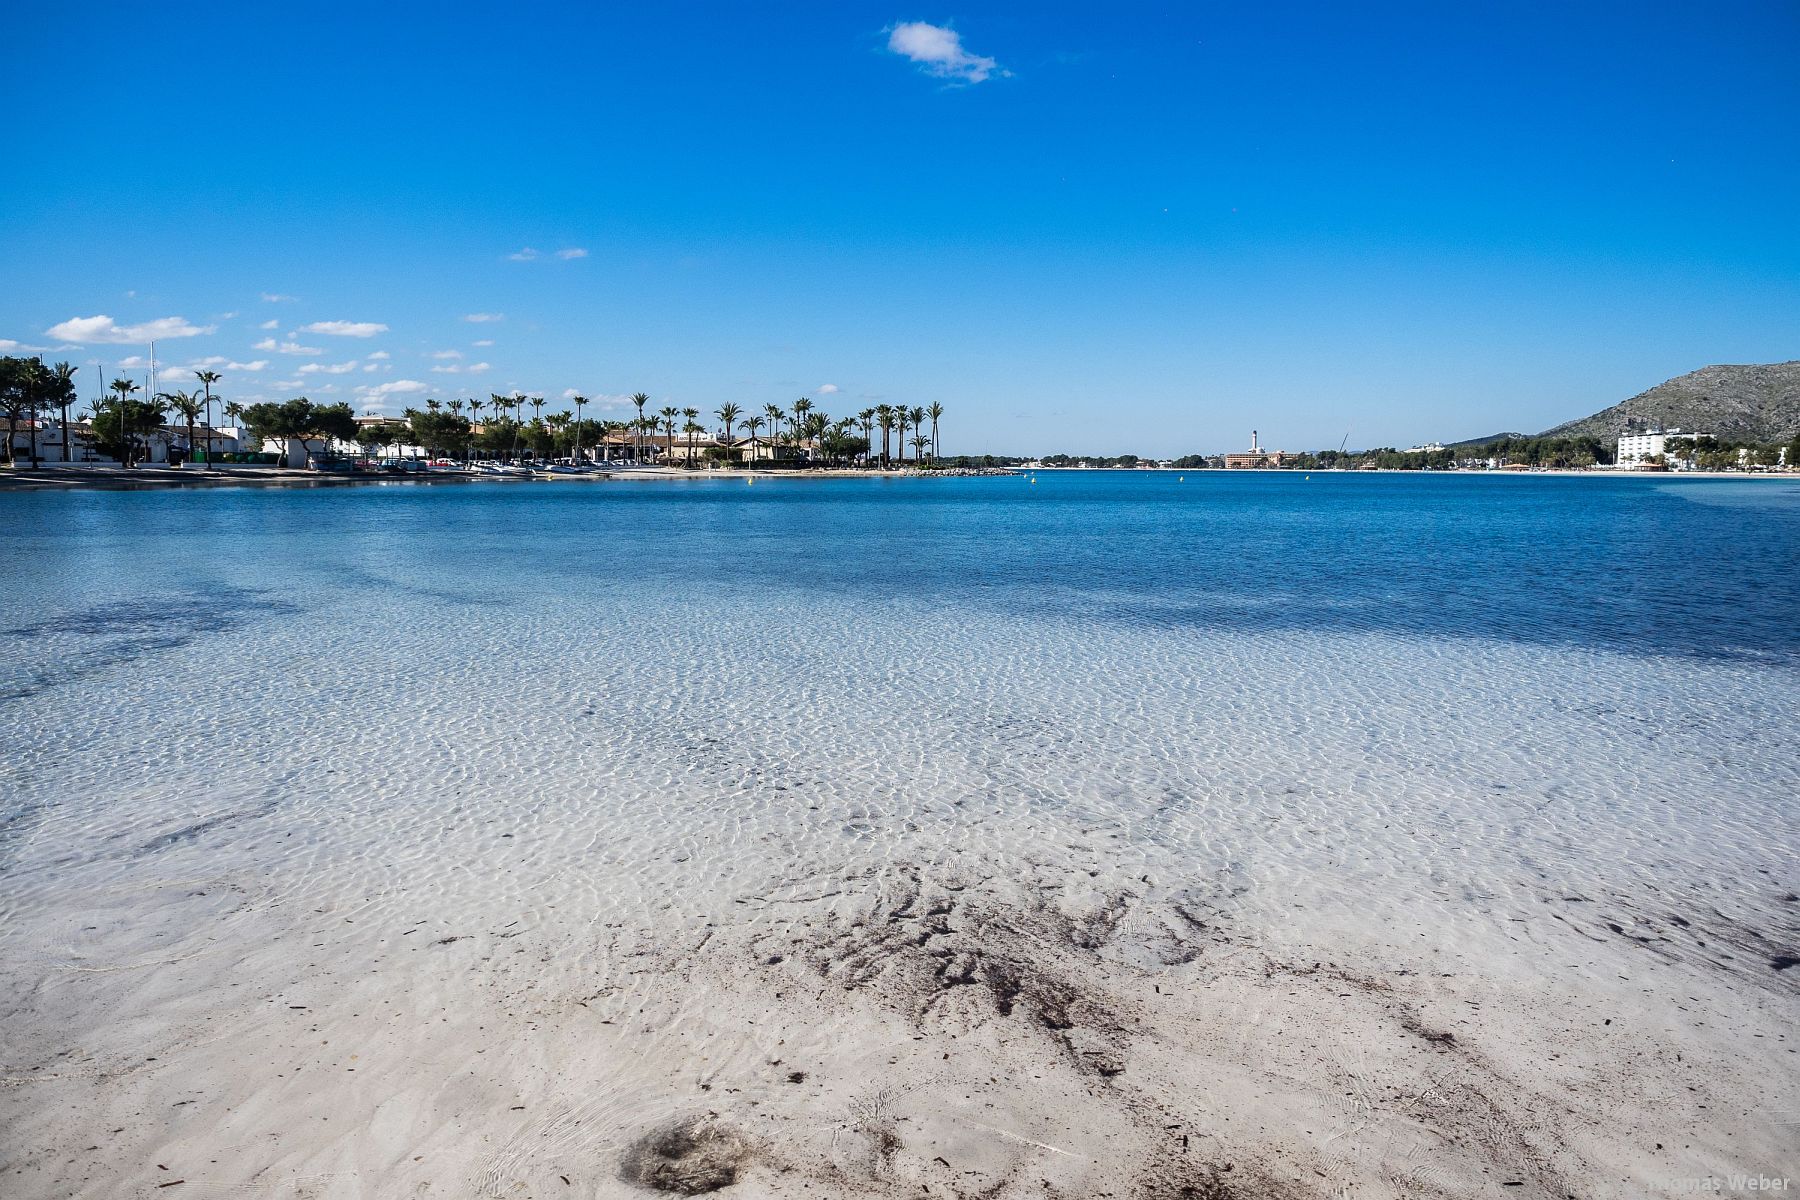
pixel 1111 228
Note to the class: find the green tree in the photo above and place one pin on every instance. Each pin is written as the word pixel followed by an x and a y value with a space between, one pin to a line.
pixel 934 412
pixel 123 422
pixel 303 421
pixel 438 431
pixel 21 390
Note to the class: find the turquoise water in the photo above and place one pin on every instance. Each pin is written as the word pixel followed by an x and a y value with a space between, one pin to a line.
pixel 1699 568
pixel 1544 727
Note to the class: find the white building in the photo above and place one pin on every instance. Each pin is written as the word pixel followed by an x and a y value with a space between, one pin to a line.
pixel 1637 448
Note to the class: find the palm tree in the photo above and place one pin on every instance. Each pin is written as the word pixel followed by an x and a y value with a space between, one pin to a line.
pixel 207 378
pixel 728 417
pixel 901 417
pixel 515 403
pixel 867 418
pixel 691 428
pixel 669 414
pixel 884 414
pixel 124 387
pixel 802 406
pixel 190 407
pixel 934 412
pixel 690 415
pixel 235 411
pixel 920 441
pixel 640 400
pixel 814 427
pixel 63 381
pixel 575 454
pixel 752 423
pixel 841 431
pixel 645 426
pixel 773 414
pixel 917 416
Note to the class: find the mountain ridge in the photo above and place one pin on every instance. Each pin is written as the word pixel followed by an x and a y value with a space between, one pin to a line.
pixel 1757 402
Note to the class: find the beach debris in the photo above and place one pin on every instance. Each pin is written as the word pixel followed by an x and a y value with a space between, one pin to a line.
pixel 689 1156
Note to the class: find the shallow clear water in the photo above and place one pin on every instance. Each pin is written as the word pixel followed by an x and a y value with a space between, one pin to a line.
pixel 1177 654
pixel 1393 710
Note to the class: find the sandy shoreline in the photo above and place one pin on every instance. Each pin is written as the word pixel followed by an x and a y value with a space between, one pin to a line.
pixel 883 1029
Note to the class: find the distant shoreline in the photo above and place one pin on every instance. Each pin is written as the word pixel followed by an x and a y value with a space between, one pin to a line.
pixel 63 478
pixel 58 477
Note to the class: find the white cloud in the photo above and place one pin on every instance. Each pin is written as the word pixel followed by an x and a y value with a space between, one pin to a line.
pixel 328 368
pixel 828 389
pixel 356 329
pixel 286 347
pixel 9 344
pixel 447 354
pixel 572 252
pixel 372 367
pixel 277 297
pixel 270 324
pixel 287 383
pixel 938 50
pixel 254 365
pixel 483 342
pixel 472 368
pixel 379 355
pixel 525 255
pixel 484 318
pixel 452 369
pixel 375 395
pixel 88 330
pixel 390 388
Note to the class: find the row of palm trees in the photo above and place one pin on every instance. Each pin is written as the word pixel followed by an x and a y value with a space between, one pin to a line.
pixel 800 426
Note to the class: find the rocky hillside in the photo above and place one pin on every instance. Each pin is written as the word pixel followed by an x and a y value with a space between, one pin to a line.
pixel 1749 403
